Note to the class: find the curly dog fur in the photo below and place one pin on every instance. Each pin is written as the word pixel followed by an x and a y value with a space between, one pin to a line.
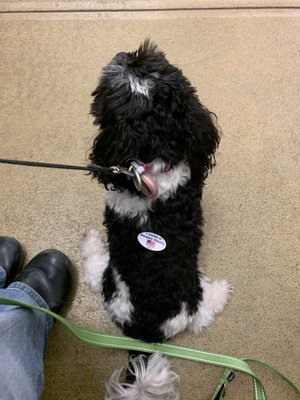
pixel 147 110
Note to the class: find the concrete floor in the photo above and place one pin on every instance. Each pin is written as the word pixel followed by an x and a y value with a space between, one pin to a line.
pixel 245 65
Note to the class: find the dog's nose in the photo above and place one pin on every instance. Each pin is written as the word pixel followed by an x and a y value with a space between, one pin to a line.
pixel 122 54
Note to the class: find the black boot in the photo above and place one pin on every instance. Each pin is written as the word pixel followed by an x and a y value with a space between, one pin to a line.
pixel 11 257
pixel 50 274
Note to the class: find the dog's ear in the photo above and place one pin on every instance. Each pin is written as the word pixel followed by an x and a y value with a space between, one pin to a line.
pixel 202 140
pixel 97 104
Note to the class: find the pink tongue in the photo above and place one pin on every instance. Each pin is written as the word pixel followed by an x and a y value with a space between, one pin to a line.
pixel 149 168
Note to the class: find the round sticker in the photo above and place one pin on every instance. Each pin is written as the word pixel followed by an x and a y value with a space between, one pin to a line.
pixel 152 241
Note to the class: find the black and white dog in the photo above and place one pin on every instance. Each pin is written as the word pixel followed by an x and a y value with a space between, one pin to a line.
pixel 148 271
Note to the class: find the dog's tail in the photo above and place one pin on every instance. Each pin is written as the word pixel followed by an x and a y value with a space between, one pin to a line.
pixel 148 377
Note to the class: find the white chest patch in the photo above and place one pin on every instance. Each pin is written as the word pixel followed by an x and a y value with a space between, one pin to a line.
pixel 152 241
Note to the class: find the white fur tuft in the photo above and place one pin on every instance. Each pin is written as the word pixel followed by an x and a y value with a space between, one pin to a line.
pixel 173 326
pixel 119 307
pixel 215 296
pixel 154 381
pixel 95 257
pixel 141 86
pixel 168 182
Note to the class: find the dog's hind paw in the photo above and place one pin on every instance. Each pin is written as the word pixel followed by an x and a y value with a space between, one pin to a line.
pixel 215 296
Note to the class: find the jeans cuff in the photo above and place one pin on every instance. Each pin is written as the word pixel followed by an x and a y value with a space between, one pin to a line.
pixel 2 276
pixel 26 291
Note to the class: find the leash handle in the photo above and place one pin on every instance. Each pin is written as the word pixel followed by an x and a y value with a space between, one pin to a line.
pixel 126 343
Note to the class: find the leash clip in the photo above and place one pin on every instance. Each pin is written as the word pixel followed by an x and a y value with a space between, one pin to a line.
pixel 133 172
pixel 143 181
pixel 116 169
pixel 220 391
pixel 137 170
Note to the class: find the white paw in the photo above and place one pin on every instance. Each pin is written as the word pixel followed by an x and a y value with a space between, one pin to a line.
pixel 216 294
pixel 95 258
pixel 90 242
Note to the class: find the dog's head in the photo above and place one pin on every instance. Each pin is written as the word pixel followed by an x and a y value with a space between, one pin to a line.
pixel 147 110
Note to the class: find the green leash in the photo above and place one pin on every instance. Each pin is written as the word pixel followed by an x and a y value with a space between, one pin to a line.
pixel 125 343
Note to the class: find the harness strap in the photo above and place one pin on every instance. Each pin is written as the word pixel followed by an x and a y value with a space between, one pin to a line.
pixel 125 343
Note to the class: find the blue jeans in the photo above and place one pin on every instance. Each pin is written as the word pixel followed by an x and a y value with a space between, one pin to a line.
pixel 23 343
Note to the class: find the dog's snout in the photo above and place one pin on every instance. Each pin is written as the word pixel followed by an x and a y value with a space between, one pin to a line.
pixel 122 54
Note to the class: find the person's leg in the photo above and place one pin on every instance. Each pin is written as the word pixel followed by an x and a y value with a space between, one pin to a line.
pixel 2 276
pixel 23 341
pixel 46 282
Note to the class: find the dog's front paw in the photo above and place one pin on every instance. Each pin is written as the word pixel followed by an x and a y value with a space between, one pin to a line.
pixel 95 258
pixel 90 242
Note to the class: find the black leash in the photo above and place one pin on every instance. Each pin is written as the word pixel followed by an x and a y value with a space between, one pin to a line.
pixel 142 181
pixel 132 172
pixel 90 167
